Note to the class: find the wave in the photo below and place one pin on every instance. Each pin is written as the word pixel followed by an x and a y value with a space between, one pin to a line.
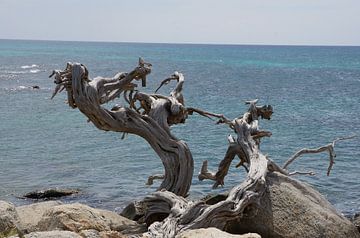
pixel 30 66
pixel 34 71
pixel 26 88
pixel 14 72
pixel 17 72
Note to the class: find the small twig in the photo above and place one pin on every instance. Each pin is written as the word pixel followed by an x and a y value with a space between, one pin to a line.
pixel 151 178
pixel 260 134
pixel 191 110
pixel 175 76
pixel 205 173
pixel 311 173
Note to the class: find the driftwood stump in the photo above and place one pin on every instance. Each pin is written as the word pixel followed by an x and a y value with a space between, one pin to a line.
pixel 150 116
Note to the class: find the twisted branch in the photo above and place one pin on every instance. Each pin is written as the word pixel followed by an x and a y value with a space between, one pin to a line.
pixel 329 148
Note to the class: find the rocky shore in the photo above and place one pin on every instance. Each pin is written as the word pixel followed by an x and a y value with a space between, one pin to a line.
pixel 288 209
pixel 53 219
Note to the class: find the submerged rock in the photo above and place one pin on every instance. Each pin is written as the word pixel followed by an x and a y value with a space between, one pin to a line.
pixel 51 193
pixel 293 209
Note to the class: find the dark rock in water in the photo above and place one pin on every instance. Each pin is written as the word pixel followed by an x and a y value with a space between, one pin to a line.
pixel 35 87
pixel 51 193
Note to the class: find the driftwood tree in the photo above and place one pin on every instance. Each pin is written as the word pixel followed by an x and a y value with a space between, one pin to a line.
pixel 151 119
pixel 150 116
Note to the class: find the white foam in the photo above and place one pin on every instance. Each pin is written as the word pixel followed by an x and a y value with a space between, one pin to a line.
pixel 30 66
pixel 34 71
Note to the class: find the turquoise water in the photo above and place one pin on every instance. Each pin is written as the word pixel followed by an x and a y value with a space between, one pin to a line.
pixel 43 143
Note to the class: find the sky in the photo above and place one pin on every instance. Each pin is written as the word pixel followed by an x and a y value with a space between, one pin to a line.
pixel 270 22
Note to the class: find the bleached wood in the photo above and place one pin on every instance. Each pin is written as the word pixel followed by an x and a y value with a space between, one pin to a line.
pixel 329 148
pixel 247 193
pixel 152 124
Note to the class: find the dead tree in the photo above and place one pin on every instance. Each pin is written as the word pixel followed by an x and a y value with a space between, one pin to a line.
pixel 151 119
pixel 150 116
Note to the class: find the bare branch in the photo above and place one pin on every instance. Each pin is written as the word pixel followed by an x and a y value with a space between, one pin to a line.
pixel 311 173
pixel 329 148
pixel 151 178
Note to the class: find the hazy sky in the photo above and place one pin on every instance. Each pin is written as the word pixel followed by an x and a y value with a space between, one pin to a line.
pixel 305 22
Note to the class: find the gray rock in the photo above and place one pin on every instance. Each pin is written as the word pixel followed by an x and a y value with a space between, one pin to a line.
pixel 53 234
pixel 293 209
pixel 356 221
pixel 9 219
pixel 102 234
pixel 30 215
pixel 77 217
pixel 134 211
pixel 213 233
pixel 89 234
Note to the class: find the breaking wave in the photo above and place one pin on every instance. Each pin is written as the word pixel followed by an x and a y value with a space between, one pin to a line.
pixel 30 66
pixel 34 71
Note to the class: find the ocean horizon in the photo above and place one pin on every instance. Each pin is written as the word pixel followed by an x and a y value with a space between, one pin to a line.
pixel 314 91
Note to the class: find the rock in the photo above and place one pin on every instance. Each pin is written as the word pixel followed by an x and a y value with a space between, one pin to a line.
pixel 9 220
pixel 293 209
pixel 53 234
pixel 51 193
pixel 35 87
pixel 213 233
pixel 134 211
pixel 90 233
pixel 30 215
pixel 111 234
pixel 102 234
pixel 77 217
pixel 356 221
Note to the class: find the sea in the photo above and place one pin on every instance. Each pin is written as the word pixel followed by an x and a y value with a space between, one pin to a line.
pixel 314 91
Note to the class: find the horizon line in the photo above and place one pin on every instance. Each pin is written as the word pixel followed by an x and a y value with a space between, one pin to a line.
pixel 185 43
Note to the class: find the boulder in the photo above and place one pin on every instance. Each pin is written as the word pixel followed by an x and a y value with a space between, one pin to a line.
pixel 134 211
pixel 213 233
pixel 293 209
pixel 30 215
pixel 90 233
pixel 77 217
pixel 9 219
pixel 356 221
pixel 51 234
pixel 102 234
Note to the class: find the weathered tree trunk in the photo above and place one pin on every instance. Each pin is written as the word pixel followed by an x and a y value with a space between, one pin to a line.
pixel 183 215
pixel 152 124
